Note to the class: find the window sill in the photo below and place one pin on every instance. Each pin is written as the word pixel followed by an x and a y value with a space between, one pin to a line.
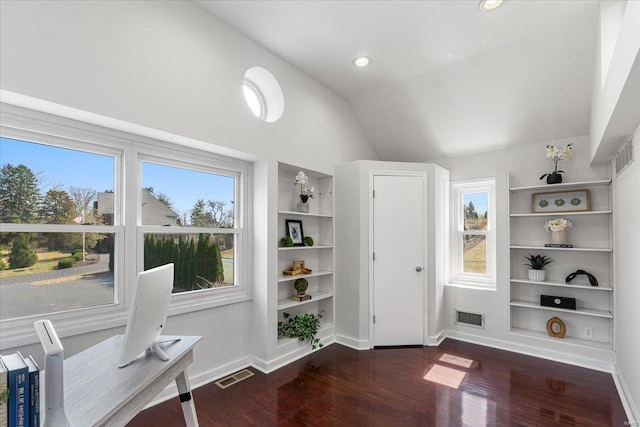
pixel 20 332
pixel 474 286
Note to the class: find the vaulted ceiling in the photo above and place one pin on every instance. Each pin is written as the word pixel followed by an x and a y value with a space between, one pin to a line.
pixel 446 78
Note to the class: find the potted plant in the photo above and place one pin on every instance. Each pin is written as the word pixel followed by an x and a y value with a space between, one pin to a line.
pixel 300 285
pixel 555 154
pixel 558 227
pixel 306 193
pixel 301 326
pixel 536 267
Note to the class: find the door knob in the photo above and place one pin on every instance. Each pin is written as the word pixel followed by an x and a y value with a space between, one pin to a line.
pixel 418 269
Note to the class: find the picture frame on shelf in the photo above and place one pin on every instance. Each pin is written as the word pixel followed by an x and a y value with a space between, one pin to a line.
pixel 560 201
pixel 294 230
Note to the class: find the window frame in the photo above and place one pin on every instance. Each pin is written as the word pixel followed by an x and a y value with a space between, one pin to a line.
pixel 457 275
pixel 101 135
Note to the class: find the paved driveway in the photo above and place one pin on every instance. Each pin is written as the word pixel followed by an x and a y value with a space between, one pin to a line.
pixel 57 290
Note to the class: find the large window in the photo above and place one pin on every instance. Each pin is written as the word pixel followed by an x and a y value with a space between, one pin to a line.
pixel 473 256
pixel 84 208
pixel 188 218
pixel 56 250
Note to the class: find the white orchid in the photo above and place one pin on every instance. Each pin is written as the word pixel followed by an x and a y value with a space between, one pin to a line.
pixel 306 193
pixel 555 154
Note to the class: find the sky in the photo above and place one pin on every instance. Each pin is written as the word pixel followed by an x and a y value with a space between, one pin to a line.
pixel 63 168
pixel 479 201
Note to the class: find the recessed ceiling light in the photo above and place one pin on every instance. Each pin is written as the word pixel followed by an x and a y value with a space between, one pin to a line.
pixel 361 61
pixel 486 5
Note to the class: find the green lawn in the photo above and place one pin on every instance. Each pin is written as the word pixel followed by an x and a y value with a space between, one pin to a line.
pixel 47 261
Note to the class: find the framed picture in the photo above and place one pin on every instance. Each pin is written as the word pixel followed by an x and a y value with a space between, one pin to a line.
pixel 294 230
pixel 560 201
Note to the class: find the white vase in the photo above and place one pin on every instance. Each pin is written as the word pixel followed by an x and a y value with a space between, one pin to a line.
pixel 536 275
pixel 302 207
pixel 559 237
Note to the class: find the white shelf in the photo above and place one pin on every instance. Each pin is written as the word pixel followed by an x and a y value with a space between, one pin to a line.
pixel 544 248
pixel 283 278
pixel 562 186
pixel 302 248
pixel 606 288
pixel 608 212
pixel 581 311
pixel 566 340
pixel 317 215
pixel 315 297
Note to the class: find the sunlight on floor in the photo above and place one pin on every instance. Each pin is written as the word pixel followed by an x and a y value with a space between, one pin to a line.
pixel 456 360
pixel 446 376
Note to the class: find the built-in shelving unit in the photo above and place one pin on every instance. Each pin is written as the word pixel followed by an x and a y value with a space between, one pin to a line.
pixel 319 224
pixel 591 236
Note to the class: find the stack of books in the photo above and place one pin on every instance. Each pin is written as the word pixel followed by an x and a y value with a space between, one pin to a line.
pixel 19 391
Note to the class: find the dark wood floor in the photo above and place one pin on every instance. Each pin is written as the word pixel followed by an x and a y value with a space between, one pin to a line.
pixel 455 384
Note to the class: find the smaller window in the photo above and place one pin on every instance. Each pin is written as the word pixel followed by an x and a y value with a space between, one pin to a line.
pixel 263 94
pixel 473 247
pixel 254 99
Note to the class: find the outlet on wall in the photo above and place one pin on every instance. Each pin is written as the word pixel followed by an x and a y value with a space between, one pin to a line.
pixel 588 332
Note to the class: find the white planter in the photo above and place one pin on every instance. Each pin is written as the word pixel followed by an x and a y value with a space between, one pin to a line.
pixel 536 275
pixel 559 237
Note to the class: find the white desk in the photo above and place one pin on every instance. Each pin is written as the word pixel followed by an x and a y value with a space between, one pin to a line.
pixel 98 393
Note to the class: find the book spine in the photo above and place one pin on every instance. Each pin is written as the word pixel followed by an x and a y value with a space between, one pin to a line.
pixel 18 407
pixel 4 395
pixel 34 398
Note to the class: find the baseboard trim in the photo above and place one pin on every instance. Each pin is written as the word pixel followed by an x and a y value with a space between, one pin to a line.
pixel 353 343
pixel 267 367
pixel 436 340
pixel 571 359
pixel 633 415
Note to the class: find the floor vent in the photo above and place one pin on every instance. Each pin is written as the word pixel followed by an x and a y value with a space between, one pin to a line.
pixel 234 378
pixel 624 157
pixel 470 319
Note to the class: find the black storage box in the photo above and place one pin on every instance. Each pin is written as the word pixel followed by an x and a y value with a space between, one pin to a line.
pixel 558 302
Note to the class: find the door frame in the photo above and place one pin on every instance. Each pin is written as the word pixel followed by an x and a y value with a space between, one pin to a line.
pixel 425 264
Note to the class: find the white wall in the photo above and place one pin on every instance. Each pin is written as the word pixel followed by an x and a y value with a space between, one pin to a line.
pixel 627 276
pixel 171 66
pixel 168 65
pixel 616 79
pixel 525 164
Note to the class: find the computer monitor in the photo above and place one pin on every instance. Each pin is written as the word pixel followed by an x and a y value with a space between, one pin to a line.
pixel 148 314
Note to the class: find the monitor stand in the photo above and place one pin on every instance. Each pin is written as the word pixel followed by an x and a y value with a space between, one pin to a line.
pixel 155 349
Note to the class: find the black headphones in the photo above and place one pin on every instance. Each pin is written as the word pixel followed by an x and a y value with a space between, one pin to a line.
pixel 592 279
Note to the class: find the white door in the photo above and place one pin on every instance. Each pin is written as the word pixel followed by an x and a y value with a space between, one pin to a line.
pixel 398 270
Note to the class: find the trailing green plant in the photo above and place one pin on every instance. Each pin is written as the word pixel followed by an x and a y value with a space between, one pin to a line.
pixel 301 285
pixel 286 241
pixel 308 241
pixel 537 262
pixel 301 326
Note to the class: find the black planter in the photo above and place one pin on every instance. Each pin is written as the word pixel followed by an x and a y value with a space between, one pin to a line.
pixel 554 178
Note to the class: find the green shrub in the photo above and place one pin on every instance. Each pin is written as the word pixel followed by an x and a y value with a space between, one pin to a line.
pixel 77 255
pixel 21 255
pixel 3 264
pixel 67 262
pixel 308 241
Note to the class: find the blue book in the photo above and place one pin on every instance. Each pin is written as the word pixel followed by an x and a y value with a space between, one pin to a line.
pixel 34 392
pixel 4 395
pixel 18 382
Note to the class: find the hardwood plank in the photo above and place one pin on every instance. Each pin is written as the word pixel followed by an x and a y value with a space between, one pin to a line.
pixel 339 386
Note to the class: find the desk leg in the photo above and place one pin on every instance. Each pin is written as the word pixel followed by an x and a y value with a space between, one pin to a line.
pixel 186 400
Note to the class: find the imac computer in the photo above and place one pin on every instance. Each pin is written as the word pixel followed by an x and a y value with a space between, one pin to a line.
pixel 148 314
